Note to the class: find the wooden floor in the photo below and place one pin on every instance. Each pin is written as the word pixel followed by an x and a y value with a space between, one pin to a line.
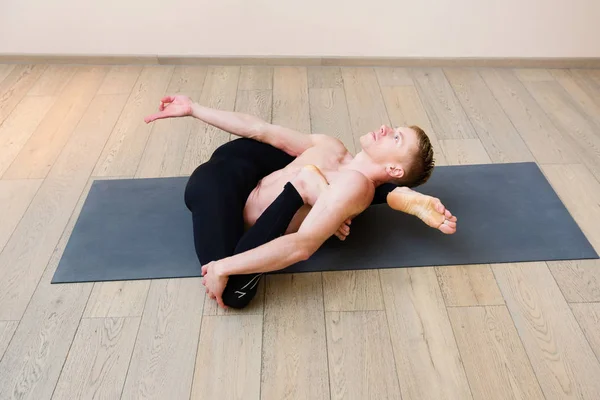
pixel 523 331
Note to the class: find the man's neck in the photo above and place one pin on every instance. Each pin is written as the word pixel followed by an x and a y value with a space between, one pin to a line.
pixel 366 166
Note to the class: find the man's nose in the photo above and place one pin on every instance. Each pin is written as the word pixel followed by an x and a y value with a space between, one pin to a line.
pixel 383 130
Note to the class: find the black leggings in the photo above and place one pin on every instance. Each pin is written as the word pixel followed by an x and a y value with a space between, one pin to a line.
pixel 216 194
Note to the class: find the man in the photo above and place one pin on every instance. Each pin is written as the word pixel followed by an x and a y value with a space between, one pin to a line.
pixel 272 198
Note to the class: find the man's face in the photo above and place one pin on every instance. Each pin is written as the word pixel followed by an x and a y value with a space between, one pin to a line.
pixel 390 147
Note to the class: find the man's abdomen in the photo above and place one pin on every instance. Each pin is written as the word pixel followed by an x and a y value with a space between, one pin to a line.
pixel 266 192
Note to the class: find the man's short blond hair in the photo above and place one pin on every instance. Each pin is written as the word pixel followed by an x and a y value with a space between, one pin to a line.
pixel 420 169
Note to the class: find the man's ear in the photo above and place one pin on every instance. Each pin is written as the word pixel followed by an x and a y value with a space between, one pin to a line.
pixel 395 171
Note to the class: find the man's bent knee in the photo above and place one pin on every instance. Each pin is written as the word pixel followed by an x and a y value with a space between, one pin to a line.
pixel 240 290
pixel 236 302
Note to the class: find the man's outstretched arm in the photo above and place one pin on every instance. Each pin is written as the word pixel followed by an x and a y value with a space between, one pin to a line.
pixel 240 124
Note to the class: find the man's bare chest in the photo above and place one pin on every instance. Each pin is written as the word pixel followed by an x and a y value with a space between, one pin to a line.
pixel 321 157
pixel 271 186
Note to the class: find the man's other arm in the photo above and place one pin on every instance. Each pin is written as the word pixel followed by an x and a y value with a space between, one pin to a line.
pixel 344 199
pixel 239 124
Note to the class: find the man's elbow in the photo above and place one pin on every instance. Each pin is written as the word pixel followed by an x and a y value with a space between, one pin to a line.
pixel 257 130
pixel 306 248
pixel 303 254
pixel 262 131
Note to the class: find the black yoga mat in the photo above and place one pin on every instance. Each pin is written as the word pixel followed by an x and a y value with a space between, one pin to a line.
pixel 141 229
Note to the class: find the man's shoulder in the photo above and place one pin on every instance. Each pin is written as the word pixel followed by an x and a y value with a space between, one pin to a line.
pixel 359 181
pixel 354 186
pixel 330 142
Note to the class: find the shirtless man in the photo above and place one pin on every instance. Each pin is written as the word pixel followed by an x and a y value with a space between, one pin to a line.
pixel 272 198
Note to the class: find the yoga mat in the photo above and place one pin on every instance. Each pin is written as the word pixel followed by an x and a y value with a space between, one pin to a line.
pixel 141 229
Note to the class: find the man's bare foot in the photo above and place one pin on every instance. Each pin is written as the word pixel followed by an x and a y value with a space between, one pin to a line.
pixel 429 209
pixel 309 183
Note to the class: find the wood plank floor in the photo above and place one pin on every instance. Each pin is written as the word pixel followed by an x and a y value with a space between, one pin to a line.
pixel 505 331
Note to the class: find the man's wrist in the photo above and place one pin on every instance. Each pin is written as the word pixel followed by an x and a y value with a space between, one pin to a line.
pixel 220 269
pixel 196 110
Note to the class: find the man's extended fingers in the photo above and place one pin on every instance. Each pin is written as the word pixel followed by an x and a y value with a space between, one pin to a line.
pixel 154 117
pixel 164 102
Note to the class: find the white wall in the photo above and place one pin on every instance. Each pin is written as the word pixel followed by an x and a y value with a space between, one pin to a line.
pixel 375 28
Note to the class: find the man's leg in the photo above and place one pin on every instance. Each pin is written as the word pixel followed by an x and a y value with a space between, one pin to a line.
pixel 272 223
pixel 216 203
pixel 265 159
pixel 217 191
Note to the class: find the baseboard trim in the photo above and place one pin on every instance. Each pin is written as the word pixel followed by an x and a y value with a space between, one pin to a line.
pixel 77 59
pixel 303 61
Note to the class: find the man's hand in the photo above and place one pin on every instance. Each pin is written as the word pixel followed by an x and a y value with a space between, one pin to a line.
pixel 172 106
pixel 344 230
pixel 214 282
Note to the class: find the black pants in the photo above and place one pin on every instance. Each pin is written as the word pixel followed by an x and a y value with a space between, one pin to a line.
pixel 216 195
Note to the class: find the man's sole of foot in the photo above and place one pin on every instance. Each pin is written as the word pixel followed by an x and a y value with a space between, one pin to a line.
pixel 428 209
